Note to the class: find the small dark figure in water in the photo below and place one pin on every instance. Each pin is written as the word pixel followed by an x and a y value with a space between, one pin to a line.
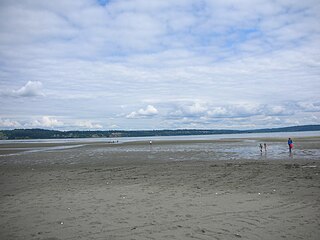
pixel 265 147
pixel 260 147
pixel 290 144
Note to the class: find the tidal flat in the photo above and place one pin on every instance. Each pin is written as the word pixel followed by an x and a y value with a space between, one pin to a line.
pixel 200 189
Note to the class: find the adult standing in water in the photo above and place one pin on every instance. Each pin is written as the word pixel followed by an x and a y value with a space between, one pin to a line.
pixel 290 144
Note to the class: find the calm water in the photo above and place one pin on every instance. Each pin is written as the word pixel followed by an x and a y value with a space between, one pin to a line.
pixel 245 147
pixel 163 138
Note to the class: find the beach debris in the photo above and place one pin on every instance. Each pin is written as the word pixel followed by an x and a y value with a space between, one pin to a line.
pixel 274 190
pixel 295 165
pixel 8 195
pixel 309 166
pixel 238 235
pixel 259 193
pixel 61 223
pixel 214 165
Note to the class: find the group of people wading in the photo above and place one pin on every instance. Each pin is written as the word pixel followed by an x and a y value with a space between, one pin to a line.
pixel 290 145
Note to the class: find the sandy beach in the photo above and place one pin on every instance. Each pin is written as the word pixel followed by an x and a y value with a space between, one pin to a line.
pixel 105 194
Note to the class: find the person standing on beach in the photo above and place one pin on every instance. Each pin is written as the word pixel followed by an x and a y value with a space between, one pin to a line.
pixel 265 147
pixel 290 144
pixel 260 147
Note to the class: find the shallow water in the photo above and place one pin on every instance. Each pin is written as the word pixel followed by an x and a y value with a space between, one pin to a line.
pixel 215 151
pixel 235 149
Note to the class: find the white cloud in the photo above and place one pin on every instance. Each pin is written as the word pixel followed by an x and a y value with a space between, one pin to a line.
pixel 8 123
pixel 244 114
pixel 113 126
pixel 277 110
pixel 148 112
pixel 87 124
pixel 309 106
pixel 196 108
pixel 47 122
pixel 210 110
pixel 218 112
pixel 31 89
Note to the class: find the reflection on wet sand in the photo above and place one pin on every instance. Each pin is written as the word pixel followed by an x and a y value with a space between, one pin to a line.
pixel 178 150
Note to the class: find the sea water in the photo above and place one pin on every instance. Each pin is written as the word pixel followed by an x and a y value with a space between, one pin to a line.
pixel 172 138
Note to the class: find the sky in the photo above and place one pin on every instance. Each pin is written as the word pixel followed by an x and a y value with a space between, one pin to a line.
pixel 159 64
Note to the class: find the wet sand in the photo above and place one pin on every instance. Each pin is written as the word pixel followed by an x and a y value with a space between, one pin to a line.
pixel 133 196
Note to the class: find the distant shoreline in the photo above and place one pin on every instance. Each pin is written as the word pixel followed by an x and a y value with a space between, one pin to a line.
pixel 22 134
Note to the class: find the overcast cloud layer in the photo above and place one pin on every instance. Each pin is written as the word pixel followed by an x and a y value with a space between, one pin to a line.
pixel 156 64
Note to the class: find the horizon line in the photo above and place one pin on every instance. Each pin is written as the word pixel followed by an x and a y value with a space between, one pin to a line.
pixel 177 129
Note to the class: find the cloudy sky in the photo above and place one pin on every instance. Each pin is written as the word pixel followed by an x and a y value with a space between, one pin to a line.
pixel 159 64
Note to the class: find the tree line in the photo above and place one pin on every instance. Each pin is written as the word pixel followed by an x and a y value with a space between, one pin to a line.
pixel 54 134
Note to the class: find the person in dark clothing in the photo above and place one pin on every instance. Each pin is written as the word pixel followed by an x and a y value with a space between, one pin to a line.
pixel 260 146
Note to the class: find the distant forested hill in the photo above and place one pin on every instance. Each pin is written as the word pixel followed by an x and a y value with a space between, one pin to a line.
pixel 53 134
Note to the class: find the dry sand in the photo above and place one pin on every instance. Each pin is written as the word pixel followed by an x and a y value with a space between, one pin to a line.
pixel 159 199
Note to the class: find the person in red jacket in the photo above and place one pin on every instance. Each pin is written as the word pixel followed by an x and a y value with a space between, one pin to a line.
pixel 290 144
